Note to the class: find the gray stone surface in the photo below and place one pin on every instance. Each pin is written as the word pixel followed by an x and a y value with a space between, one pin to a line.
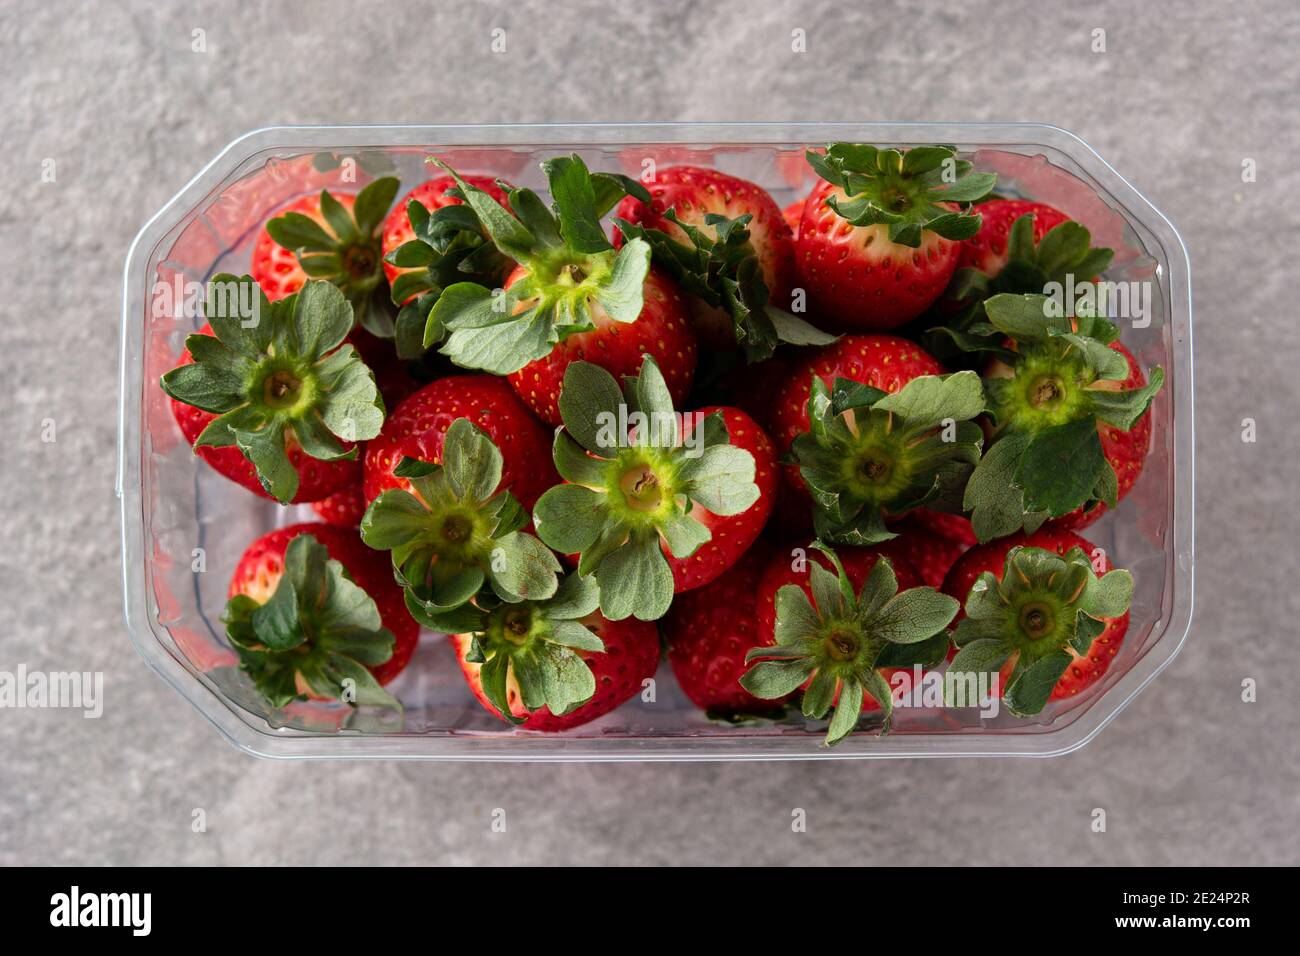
pixel 112 92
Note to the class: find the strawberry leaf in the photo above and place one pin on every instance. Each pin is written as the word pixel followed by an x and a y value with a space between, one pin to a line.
pixel 317 625
pixel 903 191
pixel 633 484
pixel 279 371
pixel 841 639
pixel 454 531
pixel 901 451
pixel 1045 606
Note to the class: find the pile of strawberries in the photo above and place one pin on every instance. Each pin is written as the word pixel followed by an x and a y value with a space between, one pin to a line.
pixel 810 450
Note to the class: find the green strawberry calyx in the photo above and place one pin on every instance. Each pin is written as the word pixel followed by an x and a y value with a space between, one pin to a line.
pixel 719 266
pixel 1046 399
pixel 634 472
pixel 837 641
pixel 454 532
pixel 281 373
pixel 870 455
pixel 318 630
pixel 903 190
pixel 573 274
pixel 450 246
pixel 1045 607
pixel 538 644
pixel 346 250
pixel 1065 257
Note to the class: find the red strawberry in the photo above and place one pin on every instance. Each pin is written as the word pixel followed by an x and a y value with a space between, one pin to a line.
pixel 276 268
pixel 653 501
pixel 302 670
pixel 1125 450
pixel 857 279
pixel 1085 669
pixel 710 630
pixel 732 535
pixel 417 427
pixel 879 237
pixel 345 508
pixel 885 362
pixel 331 237
pixel 858 562
pixel 431 194
pixel 573 296
pixel 987 250
pixel 661 330
pixel 617 657
pixel 693 192
pixel 929 553
pixel 1056 394
pixel 278 413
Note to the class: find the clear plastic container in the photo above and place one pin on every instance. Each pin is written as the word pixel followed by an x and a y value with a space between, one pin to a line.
pixel 172 504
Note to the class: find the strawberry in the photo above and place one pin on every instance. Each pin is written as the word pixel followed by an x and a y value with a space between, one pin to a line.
pixel 929 553
pixel 345 508
pixel 418 427
pixel 879 238
pixel 731 535
pixel 840 633
pixel 276 268
pixel 870 456
pixel 271 396
pixel 692 193
pixel 334 238
pixel 573 298
pixel 645 489
pixel 990 248
pixel 432 195
pixel 311 609
pixel 431 240
pixel 1022 247
pixel 1052 628
pixel 1052 384
pixel 555 664
pixel 720 269
pixel 710 630
pixel 883 362
pixel 453 527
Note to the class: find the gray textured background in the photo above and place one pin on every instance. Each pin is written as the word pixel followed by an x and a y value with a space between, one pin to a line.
pixel 1188 774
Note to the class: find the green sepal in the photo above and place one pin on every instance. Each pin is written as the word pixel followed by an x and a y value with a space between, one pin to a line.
pixel 1045 607
pixel 1064 258
pixel 540 644
pixel 450 246
pixel 723 272
pixel 633 477
pixel 902 191
pixel 348 252
pixel 281 372
pixel 1065 379
pixel 455 530
pixel 869 456
pixel 318 626
pixel 571 268
pixel 840 638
